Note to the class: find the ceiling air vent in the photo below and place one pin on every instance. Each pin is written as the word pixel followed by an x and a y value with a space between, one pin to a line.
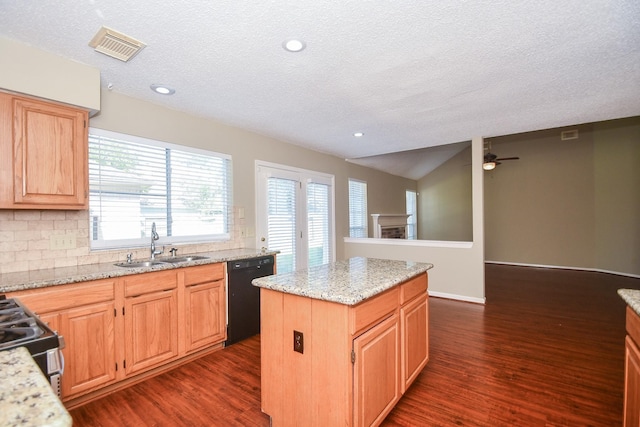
pixel 115 44
pixel 569 134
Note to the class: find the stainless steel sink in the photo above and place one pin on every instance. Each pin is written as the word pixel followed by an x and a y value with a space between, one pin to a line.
pixel 139 264
pixel 177 259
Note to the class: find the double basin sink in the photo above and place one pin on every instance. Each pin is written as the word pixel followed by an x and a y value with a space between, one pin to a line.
pixel 169 260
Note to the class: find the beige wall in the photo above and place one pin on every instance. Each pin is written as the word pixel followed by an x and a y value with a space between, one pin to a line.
pixel 32 71
pixel 571 203
pixel 617 195
pixel 444 201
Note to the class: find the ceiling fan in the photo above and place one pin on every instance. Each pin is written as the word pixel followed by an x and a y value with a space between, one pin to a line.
pixel 491 160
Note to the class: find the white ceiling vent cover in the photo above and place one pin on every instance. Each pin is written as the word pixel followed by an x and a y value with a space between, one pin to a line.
pixel 115 44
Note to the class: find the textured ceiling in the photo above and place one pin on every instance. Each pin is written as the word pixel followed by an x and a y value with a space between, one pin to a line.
pixel 409 74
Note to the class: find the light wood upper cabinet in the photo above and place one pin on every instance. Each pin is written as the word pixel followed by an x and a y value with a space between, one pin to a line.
pixel 43 154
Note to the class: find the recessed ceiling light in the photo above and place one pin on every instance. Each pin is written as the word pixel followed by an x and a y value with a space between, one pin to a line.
pixel 162 89
pixel 358 134
pixel 294 45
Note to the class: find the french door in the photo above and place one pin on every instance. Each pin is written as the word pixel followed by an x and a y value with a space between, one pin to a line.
pixel 295 215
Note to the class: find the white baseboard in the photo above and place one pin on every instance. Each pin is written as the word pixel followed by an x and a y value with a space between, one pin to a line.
pixel 457 297
pixel 562 267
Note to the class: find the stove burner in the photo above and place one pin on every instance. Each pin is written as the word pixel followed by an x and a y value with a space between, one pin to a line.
pixel 16 325
pixel 18 334
pixel 11 314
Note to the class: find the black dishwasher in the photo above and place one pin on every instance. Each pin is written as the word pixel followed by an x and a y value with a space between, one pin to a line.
pixel 244 298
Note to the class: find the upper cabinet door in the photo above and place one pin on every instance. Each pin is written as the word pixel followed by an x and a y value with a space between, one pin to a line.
pixel 49 156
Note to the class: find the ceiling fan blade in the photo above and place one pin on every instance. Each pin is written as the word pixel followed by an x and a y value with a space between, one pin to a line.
pixel 509 158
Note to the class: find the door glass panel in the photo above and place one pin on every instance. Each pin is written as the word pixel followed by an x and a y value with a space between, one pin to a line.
pixel 281 221
pixel 318 224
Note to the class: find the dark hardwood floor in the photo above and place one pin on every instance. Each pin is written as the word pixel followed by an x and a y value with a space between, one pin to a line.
pixel 547 349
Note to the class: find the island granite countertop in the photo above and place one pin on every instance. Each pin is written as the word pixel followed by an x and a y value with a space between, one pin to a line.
pixel 26 398
pixel 632 298
pixel 12 282
pixel 346 282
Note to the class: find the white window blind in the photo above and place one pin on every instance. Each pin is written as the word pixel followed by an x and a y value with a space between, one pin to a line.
pixel 135 182
pixel 318 223
pixel 412 220
pixel 281 221
pixel 358 221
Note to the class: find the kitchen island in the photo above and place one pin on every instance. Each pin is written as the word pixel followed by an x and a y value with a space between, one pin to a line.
pixel 632 357
pixel 341 342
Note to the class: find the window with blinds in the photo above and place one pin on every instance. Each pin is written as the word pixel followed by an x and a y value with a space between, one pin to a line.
pixel 358 221
pixel 412 210
pixel 134 182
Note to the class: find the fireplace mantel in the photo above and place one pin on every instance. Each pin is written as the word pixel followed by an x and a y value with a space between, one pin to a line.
pixel 390 226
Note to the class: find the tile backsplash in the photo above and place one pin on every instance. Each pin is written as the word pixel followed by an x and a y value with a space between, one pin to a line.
pixel 26 241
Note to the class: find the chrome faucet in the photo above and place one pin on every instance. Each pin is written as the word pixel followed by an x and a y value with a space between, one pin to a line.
pixel 154 237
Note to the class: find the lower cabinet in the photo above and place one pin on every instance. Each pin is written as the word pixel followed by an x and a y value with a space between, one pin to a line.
pixel 632 371
pixel 376 389
pixel 205 325
pixel 414 317
pixel 150 320
pixel 116 329
pixel 150 328
pixel 89 356
pixel 84 314
pixel 204 306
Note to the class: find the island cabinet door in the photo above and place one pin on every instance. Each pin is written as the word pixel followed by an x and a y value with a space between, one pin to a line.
pixel 151 325
pixel 631 384
pixel 415 338
pixel 376 372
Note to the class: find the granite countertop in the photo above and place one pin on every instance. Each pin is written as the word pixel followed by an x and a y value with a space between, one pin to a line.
pixel 632 298
pixel 346 282
pixel 12 282
pixel 26 397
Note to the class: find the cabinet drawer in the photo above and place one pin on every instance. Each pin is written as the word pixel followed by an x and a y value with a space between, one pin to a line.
pixel 57 298
pixel 371 311
pixel 203 274
pixel 140 284
pixel 412 288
